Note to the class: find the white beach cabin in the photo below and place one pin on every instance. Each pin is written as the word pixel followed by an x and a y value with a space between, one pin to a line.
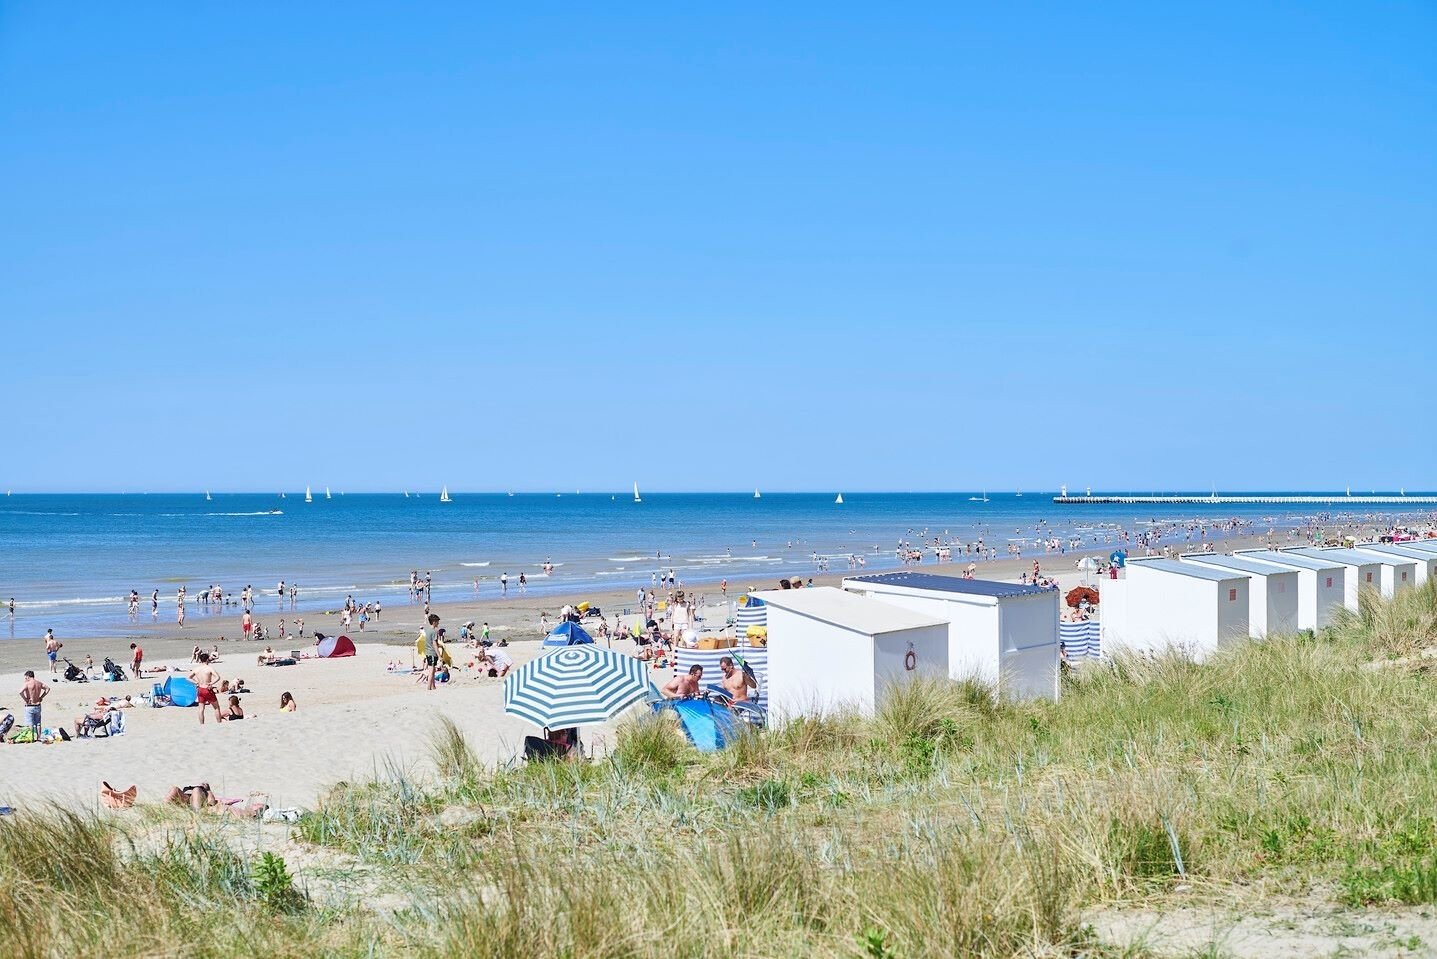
pixel 1364 571
pixel 1422 550
pixel 1158 604
pixel 1321 584
pixel 1272 592
pixel 831 650
pixel 1424 562
pixel 1004 634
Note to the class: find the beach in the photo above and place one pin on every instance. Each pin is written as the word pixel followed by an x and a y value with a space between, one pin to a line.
pixel 356 719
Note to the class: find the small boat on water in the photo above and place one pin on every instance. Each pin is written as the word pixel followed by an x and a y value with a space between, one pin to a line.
pixel 326 493
pixel 308 496
pixel 979 499
pixel 444 495
pixel 207 496
pixel 755 493
pixel 838 501
pixel 637 497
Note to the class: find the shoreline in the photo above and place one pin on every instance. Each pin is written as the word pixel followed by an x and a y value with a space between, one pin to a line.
pixel 515 616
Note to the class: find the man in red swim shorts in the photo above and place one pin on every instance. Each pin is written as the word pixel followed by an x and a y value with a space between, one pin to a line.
pixel 206 679
pixel 246 623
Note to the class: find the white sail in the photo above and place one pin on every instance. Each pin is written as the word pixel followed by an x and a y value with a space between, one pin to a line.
pixel 207 495
pixel 308 497
pixel 839 500
pixel 755 493
pixel 444 495
pixel 637 498
pixel 406 494
pixel 326 493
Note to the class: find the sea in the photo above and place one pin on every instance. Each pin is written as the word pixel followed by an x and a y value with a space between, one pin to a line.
pixel 69 561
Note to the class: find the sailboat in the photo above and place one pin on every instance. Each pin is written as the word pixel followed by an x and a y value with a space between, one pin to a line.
pixel 637 498
pixel 1019 493
pixel 511 492
pixel 308 496
pixel 406 494
pixel 281 496
pixel 755 493
pixel 444 495
pixel 326 493
pixel 838 500
pixel 207 496
pixel 979 499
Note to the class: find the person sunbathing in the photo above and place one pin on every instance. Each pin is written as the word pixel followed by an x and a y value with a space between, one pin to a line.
pixel 266 657
pixel 96 718
pixel 201 797
pixel 287 703
pixel 233 711
pixel 555 744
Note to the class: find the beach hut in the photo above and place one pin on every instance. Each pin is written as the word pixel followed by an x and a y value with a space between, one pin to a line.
pixel 1364 571
pixel 1272 592
pixel 1424 562
pixel 1004 634
pixel 1321 584
pixel 1159 604
pixel 829 650
pixel 1424 551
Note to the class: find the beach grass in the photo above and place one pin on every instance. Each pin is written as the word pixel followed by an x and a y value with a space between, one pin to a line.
pixel 949 823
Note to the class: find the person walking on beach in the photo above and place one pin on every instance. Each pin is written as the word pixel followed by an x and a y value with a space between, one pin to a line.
pixel 52 649
pixel 206 680
pixel 32 694
pixel 504 584
pixel 523 584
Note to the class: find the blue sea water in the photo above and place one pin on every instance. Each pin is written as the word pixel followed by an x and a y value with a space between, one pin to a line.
pixel 70 561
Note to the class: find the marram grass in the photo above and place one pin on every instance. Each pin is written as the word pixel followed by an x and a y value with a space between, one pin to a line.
pixel 948 824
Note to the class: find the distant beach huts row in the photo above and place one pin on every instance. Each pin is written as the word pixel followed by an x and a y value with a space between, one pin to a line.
pixel 1202 600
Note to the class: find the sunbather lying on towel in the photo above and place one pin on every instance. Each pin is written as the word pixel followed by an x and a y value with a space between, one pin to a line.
pixel 200 797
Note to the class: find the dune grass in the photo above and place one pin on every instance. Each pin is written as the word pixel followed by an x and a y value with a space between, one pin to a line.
pixel 949 823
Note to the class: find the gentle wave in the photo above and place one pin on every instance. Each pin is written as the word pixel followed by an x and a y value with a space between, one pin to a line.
pixel 627 559
pixel 474 564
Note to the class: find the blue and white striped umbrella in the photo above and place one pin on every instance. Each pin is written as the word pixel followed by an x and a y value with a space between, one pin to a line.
pixel 575 686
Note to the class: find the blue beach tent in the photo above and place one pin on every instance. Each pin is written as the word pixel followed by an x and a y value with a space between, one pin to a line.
pixel 567 634
pixel 709 726
pixel 181 691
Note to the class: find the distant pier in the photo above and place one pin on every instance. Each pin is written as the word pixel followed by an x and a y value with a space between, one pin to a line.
pixel 1332 500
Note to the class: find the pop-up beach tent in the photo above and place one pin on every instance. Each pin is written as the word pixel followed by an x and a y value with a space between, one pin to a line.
pixel 334 647
pixel 181 691
pixel 567 633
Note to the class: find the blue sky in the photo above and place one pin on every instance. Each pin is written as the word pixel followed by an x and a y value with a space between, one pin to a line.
pixel 250 246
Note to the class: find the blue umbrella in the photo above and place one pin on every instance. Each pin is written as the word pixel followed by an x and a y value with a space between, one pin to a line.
pixel 575 686
pixel 567 633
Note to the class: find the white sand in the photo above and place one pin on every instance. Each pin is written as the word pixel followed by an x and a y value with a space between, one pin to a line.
pixel 355 722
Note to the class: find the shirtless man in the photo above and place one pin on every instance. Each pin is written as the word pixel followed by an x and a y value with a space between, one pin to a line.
pixel 684 687
pixel 52 649
pixel 735 681
pixel 138 660
pixel 32 693
pixel 206 679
